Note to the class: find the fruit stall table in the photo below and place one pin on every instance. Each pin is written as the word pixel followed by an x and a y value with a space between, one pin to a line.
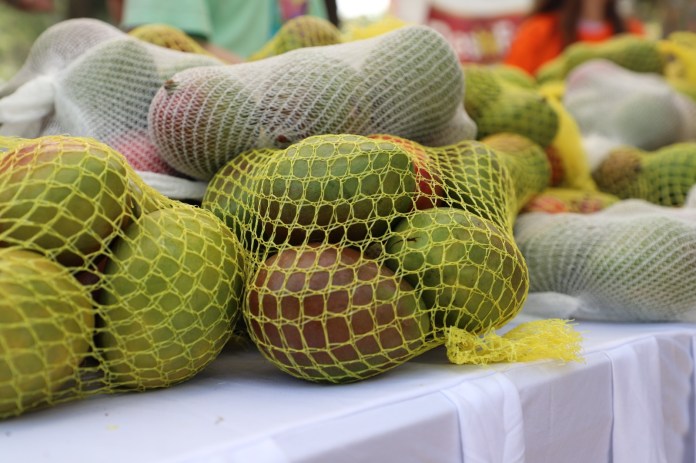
pixel 630 400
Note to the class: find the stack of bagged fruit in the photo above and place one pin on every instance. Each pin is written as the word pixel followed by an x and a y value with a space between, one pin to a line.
pixel 107 285
pixel 363 202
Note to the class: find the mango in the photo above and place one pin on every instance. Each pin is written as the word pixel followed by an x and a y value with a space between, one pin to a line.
pixel 476 180
pixel 172 290
pixel 469 270
pixel 206 95
pixel 230 196
pixel 299 32
pixel 497 105
pixel 46 328
pixel 414 85
pixel 66 197
pixel 334 188
pixel 325 313
pixel 664 176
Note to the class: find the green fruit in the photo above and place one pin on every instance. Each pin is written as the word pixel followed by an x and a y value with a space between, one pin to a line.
pixel 230 196
pixel 200 119
pixel 306 94
pixel 476 180
pixel 499 105
pixel 332 187
pixel 482 87
pixel 527 163
pixel 414 83
pixel 299 32
pixel 328 314
pixel 172 292
pixel 630 51
pixel 469 271
pixel 46 328
pixel 513 75
pixel 663 177
pixel 66 197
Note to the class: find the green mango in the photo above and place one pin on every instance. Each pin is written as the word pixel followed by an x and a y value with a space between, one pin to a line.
pixel 470 272
pixel 46 329
pixel 66 197
pixel 299 32
pixel 172 290
pixel 662 177
pixel 340 188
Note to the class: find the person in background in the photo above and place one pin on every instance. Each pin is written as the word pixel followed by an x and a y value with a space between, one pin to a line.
pixel 552 25
pixel 230 29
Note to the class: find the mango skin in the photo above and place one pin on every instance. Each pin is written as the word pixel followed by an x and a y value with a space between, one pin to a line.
pixel 65 197
pixel 327 314
pixel 332 188
pixel 46 329
pixel 470 273
pixel 172 293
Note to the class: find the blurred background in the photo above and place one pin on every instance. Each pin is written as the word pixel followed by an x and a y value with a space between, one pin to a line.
pixel 479 30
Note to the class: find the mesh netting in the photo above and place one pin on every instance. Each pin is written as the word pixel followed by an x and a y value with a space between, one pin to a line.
pixel 406 83
pixel 299 32
pixel 107 285
pixel 633 261
pixel 629 51
pixel 167 36
pixel 627 108
pixel 663 177
pixel 500 100
pixel 84 77
pixel 367 249
pixel 557 199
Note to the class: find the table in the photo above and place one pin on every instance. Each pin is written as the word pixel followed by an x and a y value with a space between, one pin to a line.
pixel 631 400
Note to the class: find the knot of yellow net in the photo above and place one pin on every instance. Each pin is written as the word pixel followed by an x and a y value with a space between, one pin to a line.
pixel 543 339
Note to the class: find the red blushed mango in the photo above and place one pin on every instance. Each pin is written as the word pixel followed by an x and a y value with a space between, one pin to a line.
pixel 429 183
pixel 327 314
pixel 65 197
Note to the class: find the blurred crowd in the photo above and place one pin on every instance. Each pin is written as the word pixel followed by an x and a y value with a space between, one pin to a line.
pixel 234 29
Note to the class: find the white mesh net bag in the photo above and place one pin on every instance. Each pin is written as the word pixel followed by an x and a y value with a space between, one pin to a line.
pixel 85 77
pixel 615 106
pixel 406 83
pixel 633 261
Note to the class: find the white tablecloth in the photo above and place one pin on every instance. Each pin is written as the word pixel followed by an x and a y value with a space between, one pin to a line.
pixel 631 400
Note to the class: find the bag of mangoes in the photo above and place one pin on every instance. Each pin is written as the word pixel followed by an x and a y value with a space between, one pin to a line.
pixel 85 77
pixel 369 251
pixel 407 82
pixel 633 261
pixel 105 284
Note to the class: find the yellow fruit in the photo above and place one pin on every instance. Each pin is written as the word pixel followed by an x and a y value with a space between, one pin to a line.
pixel 46 323
pixel 171 294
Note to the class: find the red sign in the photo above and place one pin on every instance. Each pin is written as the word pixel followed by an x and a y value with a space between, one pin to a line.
pixel 476 39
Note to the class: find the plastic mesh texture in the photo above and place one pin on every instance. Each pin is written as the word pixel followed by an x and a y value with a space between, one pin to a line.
pixel 664 176
pixel 628 108
pixel 167 36
pixel 406 83
pixel 107 285
pixel 299 32
pixel 499 100
pixel 629 51
pixel 366 250
pixel 86 78
pixel 633 261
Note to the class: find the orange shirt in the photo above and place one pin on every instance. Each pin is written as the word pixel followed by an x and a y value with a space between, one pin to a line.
pixel 538 40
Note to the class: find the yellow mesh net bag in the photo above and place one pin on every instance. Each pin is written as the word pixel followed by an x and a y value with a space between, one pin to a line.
pixel 368 251
pixel 106 284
